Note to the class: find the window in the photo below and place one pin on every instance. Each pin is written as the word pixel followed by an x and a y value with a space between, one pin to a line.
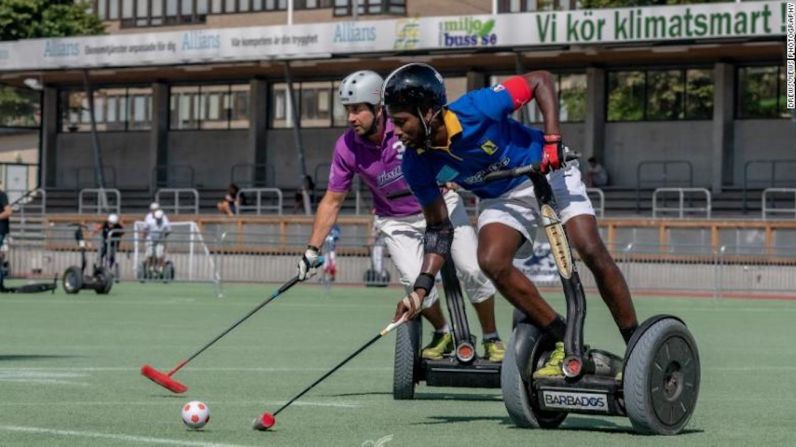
pixel 115 109
pixel 370 7
pixel 571 89
pixel 626 96
pixel 699 94
pixel 675 94
pixel 318 105
pixel 761 93
pixel 340 116
pixel 509 6
pixel 665 95
pixel 19 107
pixel 217 106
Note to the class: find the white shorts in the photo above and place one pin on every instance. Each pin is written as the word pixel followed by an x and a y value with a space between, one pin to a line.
pixel 155 249
pixel 403 237
pixel 519 208
pixel 570 192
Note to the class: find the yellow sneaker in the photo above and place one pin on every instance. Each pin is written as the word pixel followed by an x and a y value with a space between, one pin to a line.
pixel 553 366
pixel 440 345
pixel 494 350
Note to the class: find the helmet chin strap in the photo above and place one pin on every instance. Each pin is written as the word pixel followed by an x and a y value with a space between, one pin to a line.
pixel 375 124
pixel 427 126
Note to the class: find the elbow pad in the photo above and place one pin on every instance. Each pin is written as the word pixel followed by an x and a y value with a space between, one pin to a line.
pixel 438 238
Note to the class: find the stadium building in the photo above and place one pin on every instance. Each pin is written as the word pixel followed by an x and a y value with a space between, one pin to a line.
pixel 193 93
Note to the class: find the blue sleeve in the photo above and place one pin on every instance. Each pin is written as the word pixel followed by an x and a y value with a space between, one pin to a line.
pixel 420 178
pixel 494 102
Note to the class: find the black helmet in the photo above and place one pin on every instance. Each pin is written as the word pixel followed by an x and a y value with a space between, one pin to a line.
pixel 417 86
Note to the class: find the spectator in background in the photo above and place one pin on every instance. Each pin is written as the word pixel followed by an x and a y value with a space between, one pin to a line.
pixel 5 228
pixel 596 175
pixel 309 186
pixel 231 203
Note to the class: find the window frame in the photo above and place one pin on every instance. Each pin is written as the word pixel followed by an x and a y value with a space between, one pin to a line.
pixel 122 104
pixel 646 69
pixel 737 115
pixel 225 99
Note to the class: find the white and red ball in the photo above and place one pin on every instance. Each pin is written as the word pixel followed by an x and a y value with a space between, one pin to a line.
pixel 195 414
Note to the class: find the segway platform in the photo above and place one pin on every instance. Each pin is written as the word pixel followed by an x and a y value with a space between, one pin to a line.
pixel 448 371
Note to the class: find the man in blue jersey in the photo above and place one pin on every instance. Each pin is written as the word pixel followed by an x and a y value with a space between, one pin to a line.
pixel 463 141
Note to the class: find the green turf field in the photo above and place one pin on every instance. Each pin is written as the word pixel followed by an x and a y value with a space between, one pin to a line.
pixel 69 372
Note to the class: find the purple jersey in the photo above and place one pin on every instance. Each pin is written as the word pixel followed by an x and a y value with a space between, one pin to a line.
pixel 378 165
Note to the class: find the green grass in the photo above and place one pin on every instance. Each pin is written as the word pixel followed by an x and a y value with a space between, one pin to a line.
pixel 69 372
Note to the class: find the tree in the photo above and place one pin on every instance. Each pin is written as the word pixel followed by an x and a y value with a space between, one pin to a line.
pixel 30 19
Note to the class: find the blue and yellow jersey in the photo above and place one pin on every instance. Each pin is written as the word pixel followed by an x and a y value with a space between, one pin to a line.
pixel 482 137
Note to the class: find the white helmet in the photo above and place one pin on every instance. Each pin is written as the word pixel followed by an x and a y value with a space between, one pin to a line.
pixel 158 214
pixel 113 219
pixel 362 86
pixel 154 206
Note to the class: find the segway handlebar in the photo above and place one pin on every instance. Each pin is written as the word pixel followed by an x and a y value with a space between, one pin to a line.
pixel 524 170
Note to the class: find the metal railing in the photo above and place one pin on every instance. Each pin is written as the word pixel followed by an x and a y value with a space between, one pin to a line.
pixel 600 208
pixel 258 207
pixel 173 176
pixel 770 191
pixel 25 207
pixel 681 209
pixel 102 204
pixel 250 175
pixel 667 168
pixel 174 207
pixel 774 168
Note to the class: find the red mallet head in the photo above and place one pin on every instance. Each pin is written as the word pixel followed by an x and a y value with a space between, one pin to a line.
pixel 163 380
pixel 264 422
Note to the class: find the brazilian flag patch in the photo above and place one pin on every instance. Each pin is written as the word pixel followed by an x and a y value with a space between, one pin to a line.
pixel 489 147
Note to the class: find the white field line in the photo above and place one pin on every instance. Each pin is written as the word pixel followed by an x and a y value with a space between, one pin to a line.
pixel 111 436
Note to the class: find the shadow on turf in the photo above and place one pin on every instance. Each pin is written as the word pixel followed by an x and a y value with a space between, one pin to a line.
pixel 570 424
pixel 13 357
pixel 431 396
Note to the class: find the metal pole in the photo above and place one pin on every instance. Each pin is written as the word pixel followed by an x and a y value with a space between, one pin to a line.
pixel 297 137
pixel 355 10
pixel 99 175
pixel 289 12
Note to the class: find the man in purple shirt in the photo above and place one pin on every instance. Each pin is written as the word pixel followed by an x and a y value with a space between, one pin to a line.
pixel 371 149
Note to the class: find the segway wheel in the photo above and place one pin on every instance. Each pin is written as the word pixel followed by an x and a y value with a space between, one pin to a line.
pixel 73 280
pixel 407 359
pixel 103 281
pixel 525 352
pixel 661 379
pixel 168 272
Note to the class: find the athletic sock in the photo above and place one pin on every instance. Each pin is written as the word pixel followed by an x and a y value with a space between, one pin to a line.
pixel 492 336
pixel 443 330
pixel 628 332
pixel 557 328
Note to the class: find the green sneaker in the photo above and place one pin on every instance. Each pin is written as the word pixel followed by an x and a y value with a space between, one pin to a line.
pixel 553 366
pixel 440 345
pixel 494 350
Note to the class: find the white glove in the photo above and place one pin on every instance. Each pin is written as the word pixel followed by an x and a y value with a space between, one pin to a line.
pixel 308 263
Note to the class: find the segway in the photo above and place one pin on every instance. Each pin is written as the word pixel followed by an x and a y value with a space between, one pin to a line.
pixel 655 383
pixel 462 368
pixel 76 279
pixel 148 272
